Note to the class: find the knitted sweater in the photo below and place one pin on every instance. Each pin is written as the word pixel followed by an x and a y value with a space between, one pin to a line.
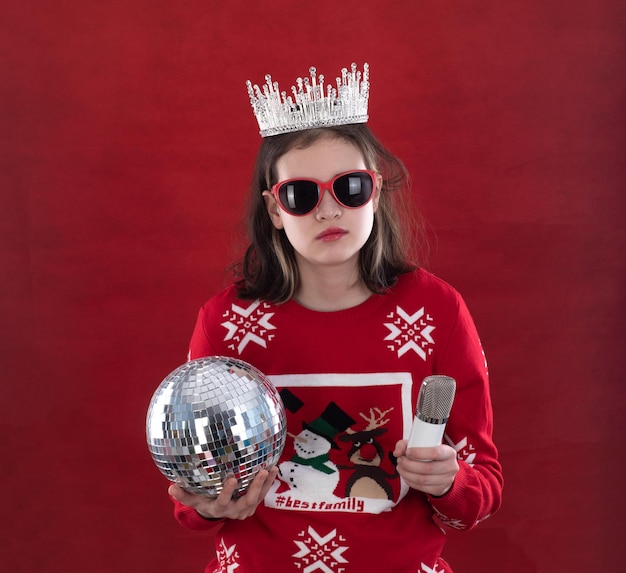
pixel 349 381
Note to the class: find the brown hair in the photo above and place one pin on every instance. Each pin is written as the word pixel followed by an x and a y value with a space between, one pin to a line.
pixel 268 269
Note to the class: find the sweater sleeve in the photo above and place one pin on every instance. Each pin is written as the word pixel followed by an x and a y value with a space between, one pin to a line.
pixel 477 489
pixel 200 344
pixel 187 516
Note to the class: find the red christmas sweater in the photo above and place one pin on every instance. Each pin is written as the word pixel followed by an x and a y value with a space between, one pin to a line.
pixel 349 380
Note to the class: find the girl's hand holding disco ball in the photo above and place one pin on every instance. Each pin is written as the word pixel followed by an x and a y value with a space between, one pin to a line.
pixel 224 505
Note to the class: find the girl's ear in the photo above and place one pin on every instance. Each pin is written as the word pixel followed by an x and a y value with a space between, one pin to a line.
pixel 273 209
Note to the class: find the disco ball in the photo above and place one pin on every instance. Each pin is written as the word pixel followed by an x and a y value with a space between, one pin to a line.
pixel 212 418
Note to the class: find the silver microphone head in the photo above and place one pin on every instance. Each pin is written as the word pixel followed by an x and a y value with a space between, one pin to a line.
pixel 435 398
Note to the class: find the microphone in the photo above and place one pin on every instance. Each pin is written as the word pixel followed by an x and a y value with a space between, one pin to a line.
pixel 434 403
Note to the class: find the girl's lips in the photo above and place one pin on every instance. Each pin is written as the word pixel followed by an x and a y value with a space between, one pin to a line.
pixel 331 234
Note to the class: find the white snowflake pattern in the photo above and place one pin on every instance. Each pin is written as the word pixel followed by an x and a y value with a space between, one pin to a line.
pixel 320 552
pixel 410 332
pixel 454 523
pixel 227 557
pixel 245 325
pixel 465 451
pixel 426 569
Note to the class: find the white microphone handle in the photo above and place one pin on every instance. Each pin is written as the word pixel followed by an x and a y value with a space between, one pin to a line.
pixel 425 435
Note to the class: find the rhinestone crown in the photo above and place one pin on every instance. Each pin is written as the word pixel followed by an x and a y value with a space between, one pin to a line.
pixel 312 104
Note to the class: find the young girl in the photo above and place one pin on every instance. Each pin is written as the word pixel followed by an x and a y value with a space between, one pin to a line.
pixel 329 306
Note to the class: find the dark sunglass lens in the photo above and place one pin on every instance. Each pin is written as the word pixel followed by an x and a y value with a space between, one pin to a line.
pixel 353 189
pixel 298 197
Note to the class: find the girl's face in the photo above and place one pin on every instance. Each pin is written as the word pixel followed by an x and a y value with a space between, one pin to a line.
pixel 330 235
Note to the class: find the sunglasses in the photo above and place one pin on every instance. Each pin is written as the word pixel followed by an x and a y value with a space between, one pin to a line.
pixel 301 196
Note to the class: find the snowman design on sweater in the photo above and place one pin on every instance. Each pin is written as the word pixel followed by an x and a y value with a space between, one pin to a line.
pixel 310 469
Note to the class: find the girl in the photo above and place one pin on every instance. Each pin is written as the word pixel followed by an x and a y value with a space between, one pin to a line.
pixel 328 305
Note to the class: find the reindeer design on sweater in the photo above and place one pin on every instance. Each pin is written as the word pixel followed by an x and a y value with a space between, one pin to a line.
pixel 366 455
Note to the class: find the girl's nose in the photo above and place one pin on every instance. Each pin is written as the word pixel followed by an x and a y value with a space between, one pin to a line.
pixel 328 208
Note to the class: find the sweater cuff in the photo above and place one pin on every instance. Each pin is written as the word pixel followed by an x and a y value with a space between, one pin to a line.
pixel 191 519
pixel 455 496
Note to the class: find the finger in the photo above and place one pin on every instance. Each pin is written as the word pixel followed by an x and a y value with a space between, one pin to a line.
pixel 428 467
pixel 174 491
pixel 400 448
pixel 244 506
pixel 259 487
pixel 273 472
pixel 255 492
pixel 423 454
pixel 221 502
pixel 179 494
pixel 426 482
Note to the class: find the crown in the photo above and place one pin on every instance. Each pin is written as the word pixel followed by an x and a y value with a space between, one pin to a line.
pixel 313 104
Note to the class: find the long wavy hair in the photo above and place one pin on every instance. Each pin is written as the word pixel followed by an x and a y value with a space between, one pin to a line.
pixel 268 269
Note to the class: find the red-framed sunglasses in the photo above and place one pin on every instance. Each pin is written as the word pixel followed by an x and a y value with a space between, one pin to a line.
pixel 299 197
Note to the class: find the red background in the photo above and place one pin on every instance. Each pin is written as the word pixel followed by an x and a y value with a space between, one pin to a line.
pixel 127 144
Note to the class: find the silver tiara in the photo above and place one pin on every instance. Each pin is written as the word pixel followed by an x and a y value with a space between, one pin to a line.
pixel 311 104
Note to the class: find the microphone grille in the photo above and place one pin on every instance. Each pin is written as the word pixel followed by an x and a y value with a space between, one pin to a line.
pixel 436 397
